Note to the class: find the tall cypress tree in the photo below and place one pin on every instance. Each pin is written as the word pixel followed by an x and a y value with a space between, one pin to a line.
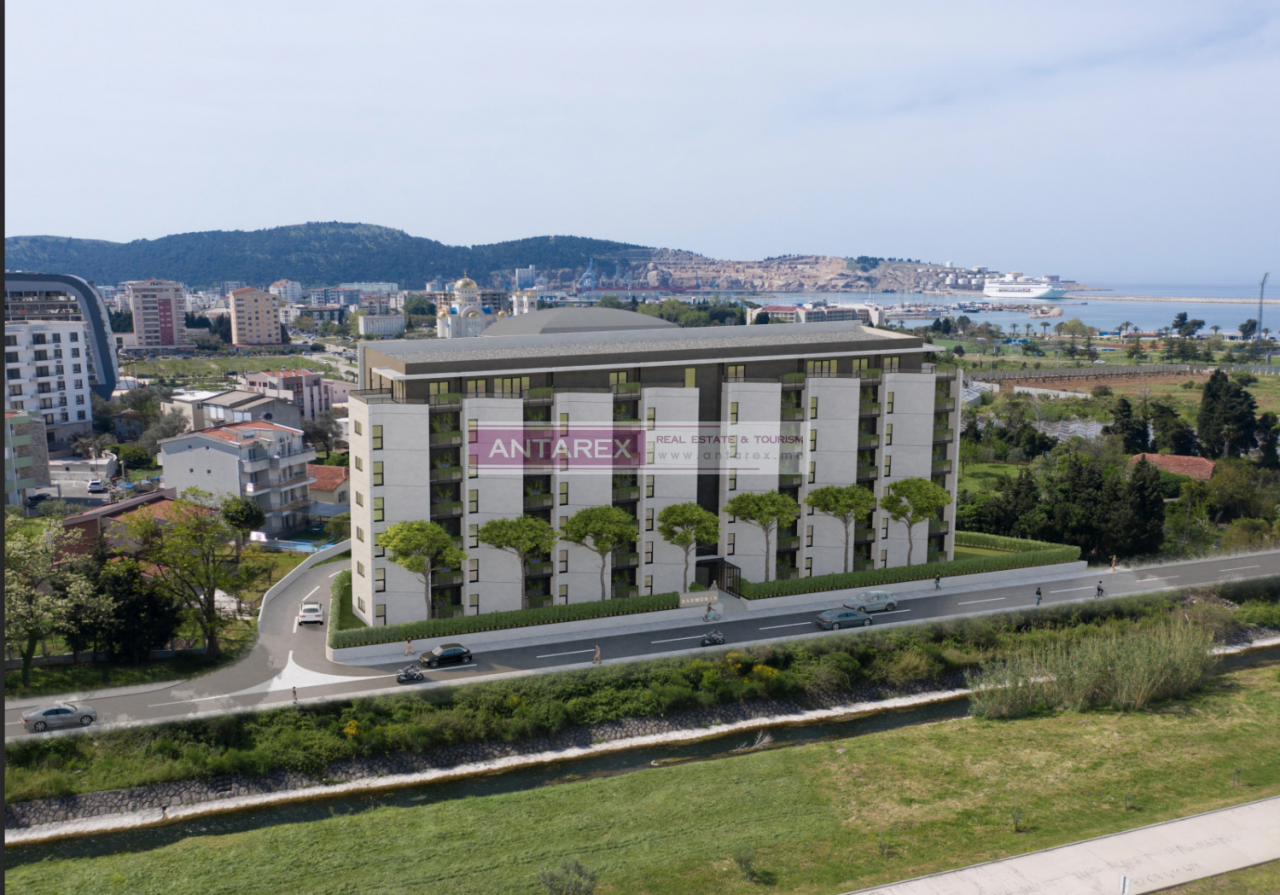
pixel 1209 422
pixel 1267 437
pixel 1115 517
pixel 1146 506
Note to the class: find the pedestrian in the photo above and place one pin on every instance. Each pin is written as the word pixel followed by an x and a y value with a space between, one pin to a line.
pixel 1038 597
pixel 937 582
pixel 295 694
pixel 408 646
pixel 595 660
pixel 1113 563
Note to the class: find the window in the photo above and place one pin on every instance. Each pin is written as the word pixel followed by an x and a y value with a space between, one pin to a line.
pixel 473 431
pixel 888 402
pixel 650 417
pixel 474 600
pixel 648 453
pixel 736 372
pixel 75 337
pixel 888 434
pixel 728 543
pixel 813 408
pixel 690 377
pixel 820 368
pixel 564 592
pixel 473 570
pixel 648 584
pixel 733 446
pixel 617 378
pixel 377 509
pixel 13 373
pixel 79 399
pixel 733 412
pixel 359 464
pixel 512 387
pixel 11 357
pixel 75 352
pixel 648 486
pixel 376 436
pixel 359 499
pixel 564 424
pixel 813 439
pixel 79 414
pixel 473 466
pixel 439 387
pixel 360 568
pixel 891 364
pixel 75 368
pixel 475 388
pixel 379 580
pixel 810 511
pixel 360 603
pixel 813 471
pixel 356 427
pixel 733 480
pixel 564 560
pixel 884 559
pixel 648 553
pixel 378 550
pixel 377 472
pixel 884 527
pixel 564 520
pixel 473 536
pixel 808 535
pixel 379 613
pixel 808 567
pixel 359 533
pixel 888 466
pixel 564 494
pixel 473 501
pixel 648 519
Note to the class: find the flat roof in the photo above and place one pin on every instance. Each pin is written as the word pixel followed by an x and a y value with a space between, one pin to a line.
pixel 623 346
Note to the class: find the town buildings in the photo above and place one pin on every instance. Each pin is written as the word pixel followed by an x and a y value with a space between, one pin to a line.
pixel 26 455
pixel 812 312
pixel 209 408
pixel 461 314
pixel 552 412
pixel 59 351
pixel 255 318
pixel 159 315
pixel 258 460
pixel 304 389
pixel 383 325
pixel 289 292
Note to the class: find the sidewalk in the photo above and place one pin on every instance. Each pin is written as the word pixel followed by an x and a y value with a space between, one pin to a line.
pixel 1153 858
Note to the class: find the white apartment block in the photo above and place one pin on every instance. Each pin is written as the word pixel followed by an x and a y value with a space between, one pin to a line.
pixel 159 314
pixel 718 412
pixel 289 292
pixel 262 461
pixel 380 324
pixel 304 389
pixel 255 318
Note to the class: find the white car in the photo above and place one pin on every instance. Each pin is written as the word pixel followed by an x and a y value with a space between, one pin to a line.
pixel 311 613
pixel 96 486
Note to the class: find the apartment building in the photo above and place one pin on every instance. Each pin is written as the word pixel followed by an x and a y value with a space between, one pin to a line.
pixel 304 389
pixel 26 456
pixel 554 411
pixel 206 408
pixel 255 318
pixel 262 461
pixel 159 315
pixel 289 292
pixel 380 324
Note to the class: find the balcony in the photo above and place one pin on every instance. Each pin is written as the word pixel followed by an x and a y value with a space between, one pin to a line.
pixel 788 542
pixel 868 473
pixel 941 404
pixel 626 494
pixel 626 391
pixel 285 460
pixel 938 527
pixel 446 401
pixel 937 556
pixel 443 509
pixel 539 501
pixel 786 574
pixel 447 579
pixel 539 396
pixel 626 560
pixel 291 506
pixel 864 565
pixel 446 439
pixel 864 536
pixel 866 442
pixel 446 474
pixel 790 480
pixel 869 408
pixel 623 592
pixel 268 485
pixel 792 414
pixel 941 466
pixel 538 569
pixel 941 435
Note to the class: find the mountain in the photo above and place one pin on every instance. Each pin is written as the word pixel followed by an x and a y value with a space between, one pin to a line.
pixel 314 254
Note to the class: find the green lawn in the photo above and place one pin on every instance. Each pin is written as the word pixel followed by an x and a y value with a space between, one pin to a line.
pixel 1263 879
pixel 986 476
pixel 971 552
pixel 941 795
pixel 213 369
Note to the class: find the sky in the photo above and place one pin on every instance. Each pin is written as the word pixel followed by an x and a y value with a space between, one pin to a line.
pixel 1088 139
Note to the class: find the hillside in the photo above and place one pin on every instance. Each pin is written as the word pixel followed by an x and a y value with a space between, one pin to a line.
pixel 314 254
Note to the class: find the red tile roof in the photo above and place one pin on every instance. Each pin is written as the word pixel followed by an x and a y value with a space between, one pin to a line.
pixel 328 478
pixel 229 431
pixel 1196 467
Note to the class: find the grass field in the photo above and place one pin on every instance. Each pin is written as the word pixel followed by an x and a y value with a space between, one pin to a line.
pixel 986 476
pixel 1266 391
pixel 970 552
pixel 1261 880
pixel 220 368
pixel 941 795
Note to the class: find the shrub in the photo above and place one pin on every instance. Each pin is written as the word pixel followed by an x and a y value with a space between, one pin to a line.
pixel 1256 612
pixel 1101 391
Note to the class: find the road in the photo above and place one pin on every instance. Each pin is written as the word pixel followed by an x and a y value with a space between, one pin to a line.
pixel 286 657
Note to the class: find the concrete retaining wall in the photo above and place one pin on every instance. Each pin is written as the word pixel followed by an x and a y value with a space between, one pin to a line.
pixel 311 561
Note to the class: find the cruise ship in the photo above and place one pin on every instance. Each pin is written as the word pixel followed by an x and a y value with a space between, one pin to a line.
pixel 1015 285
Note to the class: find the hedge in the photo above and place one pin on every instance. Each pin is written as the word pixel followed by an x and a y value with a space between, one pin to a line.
pixel 497 621
pixel 1030 553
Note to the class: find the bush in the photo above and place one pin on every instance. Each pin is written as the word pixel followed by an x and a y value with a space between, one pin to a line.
pixel 497 621
pixel 1101 391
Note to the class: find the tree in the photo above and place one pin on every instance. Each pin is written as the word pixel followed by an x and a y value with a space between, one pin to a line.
pixel 422 548
pixel 1267 437
pixel 1144 502
pixel 768 511
pixel 186 550
pixel 323 431
pixel 685 525
pixel 608 301
pixel 1226 423
pixel 145 617
pixel 602 529
pixel 1131 431
pixel 338 528
pixel 1171 434
pixel 761 318
pixel 847 503
pixel 526 536
pixel 912 501
pixel 41 578
pixel 243 514
pixel 169 425
pixel 1248 329
pixel 305 323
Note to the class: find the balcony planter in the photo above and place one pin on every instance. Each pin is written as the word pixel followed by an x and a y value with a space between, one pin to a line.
pixel 941 466
pixel 869 408
pixel 789 542
pixel 539 568
pixel 446 439
pixel 625 560
pixel 792 414
pixel 941 404
pixel 447 579
pixel 943 434
pixel 868 472
pixel 538 501
pixel 632 493
pixel 790 480
pixel 446 508
pixel 938 528
pixel 868 441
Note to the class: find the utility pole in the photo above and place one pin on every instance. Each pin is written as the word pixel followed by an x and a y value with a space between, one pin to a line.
pixel 1262 288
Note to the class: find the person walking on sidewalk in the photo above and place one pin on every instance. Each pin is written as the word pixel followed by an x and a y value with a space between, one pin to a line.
pixel 1038 597
pixel 408 646
pixel 595 660
pixel 937 582
pixel 295 694
pixel 1113 563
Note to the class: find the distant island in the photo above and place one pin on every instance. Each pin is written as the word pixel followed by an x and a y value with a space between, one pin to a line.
pixel 319 254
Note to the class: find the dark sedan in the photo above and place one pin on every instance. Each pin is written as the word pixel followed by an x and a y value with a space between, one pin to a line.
pixel 835 619
pixel 446 654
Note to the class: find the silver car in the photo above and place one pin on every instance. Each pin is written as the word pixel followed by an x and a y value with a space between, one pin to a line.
pixel 59 714
pixel 872 601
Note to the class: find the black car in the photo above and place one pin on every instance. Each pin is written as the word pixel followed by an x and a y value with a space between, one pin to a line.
pixel 36 499
pixel 446 654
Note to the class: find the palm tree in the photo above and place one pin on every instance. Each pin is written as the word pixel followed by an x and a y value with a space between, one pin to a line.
pixel 1044 327
pixel 1124 328
pixel 1215 328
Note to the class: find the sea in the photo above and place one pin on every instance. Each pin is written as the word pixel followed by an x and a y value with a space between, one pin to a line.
pixel 1200 300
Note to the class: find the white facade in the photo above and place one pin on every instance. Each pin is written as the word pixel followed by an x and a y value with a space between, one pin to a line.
pixel 47 373
pixel 380 324
pixel 465 316
pixel 289 292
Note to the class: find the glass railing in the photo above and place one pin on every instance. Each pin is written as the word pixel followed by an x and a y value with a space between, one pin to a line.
pixel 446 508
pixel 538 501
pixel 868 472
pixel 623 592
pixel 868 441
pixel 937 527
pixel 869 408
pixel 625 560
pixel 446 439
pixel 539 568
pixel 631 493
pixel 941 466
pixel 944 434
pixel 447 579
pixel 790 480
pixel 789 542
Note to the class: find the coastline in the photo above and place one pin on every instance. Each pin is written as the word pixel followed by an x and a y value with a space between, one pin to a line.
pixel 1095 296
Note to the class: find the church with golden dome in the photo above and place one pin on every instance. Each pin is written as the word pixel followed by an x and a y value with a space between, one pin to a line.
pixel 466 316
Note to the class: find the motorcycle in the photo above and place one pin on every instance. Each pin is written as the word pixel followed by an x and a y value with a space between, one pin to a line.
pixel 713 638
pixel 409 675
